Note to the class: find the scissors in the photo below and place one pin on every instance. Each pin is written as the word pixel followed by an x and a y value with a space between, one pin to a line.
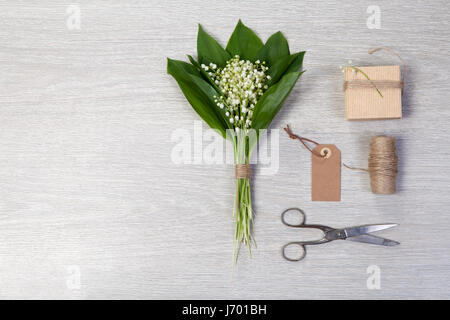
pixel 357 233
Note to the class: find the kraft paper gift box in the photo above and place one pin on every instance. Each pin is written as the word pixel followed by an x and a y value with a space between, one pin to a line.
pixel 363 101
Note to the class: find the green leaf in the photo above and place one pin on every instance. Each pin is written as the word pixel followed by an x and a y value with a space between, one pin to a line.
pixel 209 50
pixel 277 70
pixel 283 66
pixel 199 94
pixel 186 67
pixel 204 74
pixel 297 63
pixel 272 100
pixel 276 48
pixel 244 42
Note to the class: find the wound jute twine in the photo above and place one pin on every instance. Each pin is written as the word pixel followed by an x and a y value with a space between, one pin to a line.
pixel 383 162
pixel 242 171
pixel 379 83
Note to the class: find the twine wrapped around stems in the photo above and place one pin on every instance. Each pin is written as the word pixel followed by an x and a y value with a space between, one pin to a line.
pixel 242 171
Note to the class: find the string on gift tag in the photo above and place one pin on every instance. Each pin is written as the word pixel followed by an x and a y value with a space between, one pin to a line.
pixel 302 140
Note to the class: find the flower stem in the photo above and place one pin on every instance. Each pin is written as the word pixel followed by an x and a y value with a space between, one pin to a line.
pixel 243 212
pixel 367 77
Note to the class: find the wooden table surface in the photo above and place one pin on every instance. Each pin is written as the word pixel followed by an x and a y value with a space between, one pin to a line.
pixel 93 205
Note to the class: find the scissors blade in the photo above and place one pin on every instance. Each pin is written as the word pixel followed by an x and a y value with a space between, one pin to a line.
pixel 359 230
pixel 369 238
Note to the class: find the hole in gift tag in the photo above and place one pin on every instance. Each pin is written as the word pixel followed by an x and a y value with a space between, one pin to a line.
pixel 325 152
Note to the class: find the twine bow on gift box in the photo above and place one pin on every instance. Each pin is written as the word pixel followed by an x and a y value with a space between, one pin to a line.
pixel 358 83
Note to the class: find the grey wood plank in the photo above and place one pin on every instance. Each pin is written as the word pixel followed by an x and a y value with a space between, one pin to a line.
pixel 92 206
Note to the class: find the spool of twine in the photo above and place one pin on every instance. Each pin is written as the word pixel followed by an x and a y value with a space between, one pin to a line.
pixel 383 162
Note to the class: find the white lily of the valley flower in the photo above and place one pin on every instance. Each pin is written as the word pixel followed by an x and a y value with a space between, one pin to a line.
pixel 242 83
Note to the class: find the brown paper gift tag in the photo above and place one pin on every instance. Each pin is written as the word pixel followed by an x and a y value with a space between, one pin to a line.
pixel 326 173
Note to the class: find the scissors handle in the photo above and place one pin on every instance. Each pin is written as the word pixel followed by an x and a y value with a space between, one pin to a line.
pixel 300 212
pixel 297 244
pixel 302 245
pixel 302 223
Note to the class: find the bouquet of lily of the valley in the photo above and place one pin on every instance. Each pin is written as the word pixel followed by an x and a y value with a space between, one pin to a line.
pixel 237 91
